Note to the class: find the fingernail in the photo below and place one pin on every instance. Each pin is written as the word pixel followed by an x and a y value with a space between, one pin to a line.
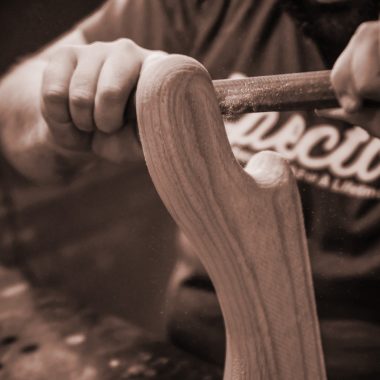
pixel 349 103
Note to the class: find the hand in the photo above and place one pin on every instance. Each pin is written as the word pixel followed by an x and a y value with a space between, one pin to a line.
pixel 356 77
pixel 85 90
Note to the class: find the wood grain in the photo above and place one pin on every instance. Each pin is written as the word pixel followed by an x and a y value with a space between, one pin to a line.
pixel 247 227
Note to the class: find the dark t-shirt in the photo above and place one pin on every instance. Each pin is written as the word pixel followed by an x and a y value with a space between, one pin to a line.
pixel 337 167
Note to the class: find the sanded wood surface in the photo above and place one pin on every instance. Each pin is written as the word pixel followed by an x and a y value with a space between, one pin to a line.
pixel 247 228
pixel 284 92
pixel 281 92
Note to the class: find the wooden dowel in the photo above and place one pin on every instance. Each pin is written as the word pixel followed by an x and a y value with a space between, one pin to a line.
pixel 286 92
pixel 246 226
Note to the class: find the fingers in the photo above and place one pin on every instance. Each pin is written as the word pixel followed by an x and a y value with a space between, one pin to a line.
pixel 366 118
pixel 55 86
pixel 356 74
pixel 55 101
pixel 117 79
pixel 118 147
pixel 83 90
pixel 343 83
pixel 67 136
pixel 356 77
pixel 365 64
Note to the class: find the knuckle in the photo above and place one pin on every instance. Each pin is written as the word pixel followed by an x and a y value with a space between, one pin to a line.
pixel 126 44
pixel 340 74
pixel 107 123
pixel 336 78
pixel 110 94
pixel 97 45
pixel 55 94
pixel 63 51
pixel 363 86
pixel 366 28
pixel 81 99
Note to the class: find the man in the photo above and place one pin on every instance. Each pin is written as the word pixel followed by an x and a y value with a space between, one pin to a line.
pixel 72 110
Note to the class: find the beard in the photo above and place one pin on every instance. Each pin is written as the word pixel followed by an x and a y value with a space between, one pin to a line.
pixel 331 26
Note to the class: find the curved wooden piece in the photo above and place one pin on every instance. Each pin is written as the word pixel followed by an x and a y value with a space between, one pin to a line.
pixel 247 228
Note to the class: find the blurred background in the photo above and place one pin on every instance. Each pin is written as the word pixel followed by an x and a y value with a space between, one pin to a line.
pixel 105 240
